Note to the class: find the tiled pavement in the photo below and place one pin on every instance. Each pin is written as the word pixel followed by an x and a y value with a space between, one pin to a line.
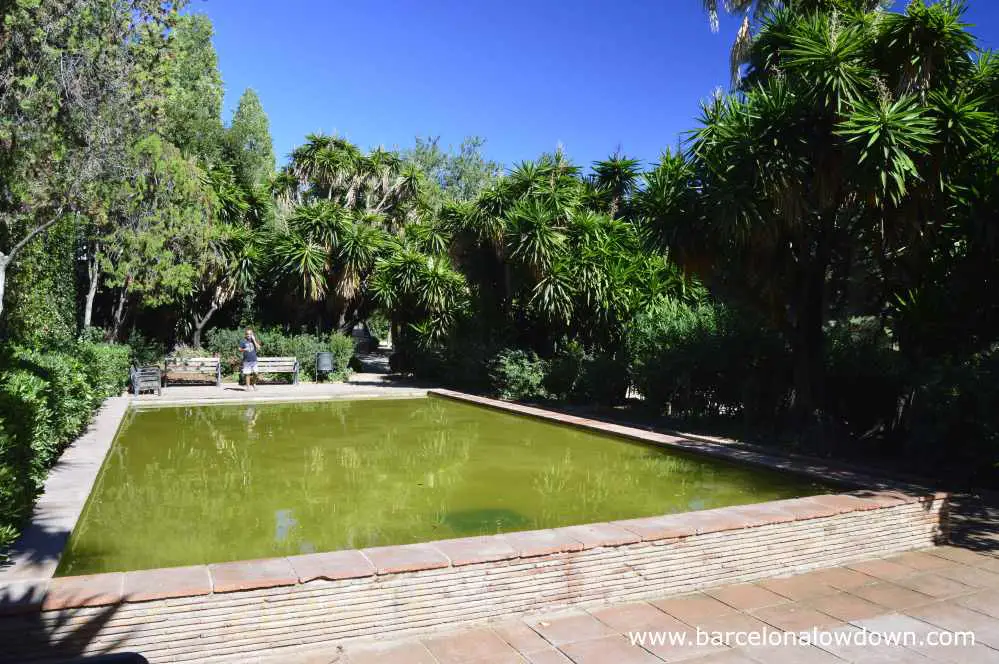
pixel 942 589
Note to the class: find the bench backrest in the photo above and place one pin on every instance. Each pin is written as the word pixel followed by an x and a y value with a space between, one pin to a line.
pixel 147 373
pixel 277 364
pixel 193 364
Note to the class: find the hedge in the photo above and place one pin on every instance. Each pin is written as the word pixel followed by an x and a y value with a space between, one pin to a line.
pixel 46 400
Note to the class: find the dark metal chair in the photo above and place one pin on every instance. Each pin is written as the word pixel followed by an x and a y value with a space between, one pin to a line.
pixel 147 379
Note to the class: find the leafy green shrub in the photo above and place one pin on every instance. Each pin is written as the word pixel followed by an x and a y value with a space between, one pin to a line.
pixel 564 378
pixel 518 375
pixel 606 378
pixel 952 422
pixel 575 374
pixel 275 343
pixel 46 400
pixel 864 375
pixel 378 325
pixel 462 366
pixel 67 392
pixel 343 351
pixel 27 446
pixel 704 360
pixel 106 366
pixel 224 343
pixel 145 352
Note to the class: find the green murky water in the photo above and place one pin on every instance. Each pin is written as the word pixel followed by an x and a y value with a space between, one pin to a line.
pixel 183 486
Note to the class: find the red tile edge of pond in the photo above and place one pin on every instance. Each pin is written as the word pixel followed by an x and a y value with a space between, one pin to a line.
pixel 147 585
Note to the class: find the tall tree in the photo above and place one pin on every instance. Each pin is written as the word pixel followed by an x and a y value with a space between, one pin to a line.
pixel 846 149
pixel 158 246
pixel 193 106
pixel 753 13
pixel 68 100
pixel 249 141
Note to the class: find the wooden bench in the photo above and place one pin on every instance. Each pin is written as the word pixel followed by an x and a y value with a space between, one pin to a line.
pixel 147 379
pixel 193 366
pixel 271 365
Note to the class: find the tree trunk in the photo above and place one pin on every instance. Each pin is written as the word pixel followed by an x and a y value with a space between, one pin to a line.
pixel 4 264
pixel 807 342
pixel 94 275
pixel 199 325
pixel 119 314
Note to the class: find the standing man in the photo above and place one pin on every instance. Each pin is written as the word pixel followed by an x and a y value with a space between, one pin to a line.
pixel 249 347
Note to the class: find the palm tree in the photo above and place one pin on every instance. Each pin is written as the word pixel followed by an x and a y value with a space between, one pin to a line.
pixel 340 206
pixel 617 177
pixel 234 252
pixel 754 13
pixel 234 258
pixel 832 153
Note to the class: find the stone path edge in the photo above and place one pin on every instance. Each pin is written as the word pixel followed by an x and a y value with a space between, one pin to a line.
pixel 48 594
pixel 147 403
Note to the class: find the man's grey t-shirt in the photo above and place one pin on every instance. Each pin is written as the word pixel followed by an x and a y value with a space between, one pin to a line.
pixel 249 350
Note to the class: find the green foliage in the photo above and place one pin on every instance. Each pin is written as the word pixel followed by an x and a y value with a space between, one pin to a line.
pixel 46 400
pixel 145 351
pixel 248 141
pixel 577 375
pixel 705 360
pixel 275 343
pixel 157 252
pixel 518 375
pixel 41 294
pixel 379 325
pixel 806 182
pixel 865 376
pixel 105 365
pixel 71 98
pixel 456 175
pixel 954 422
pixel 463 365
pixel 193 104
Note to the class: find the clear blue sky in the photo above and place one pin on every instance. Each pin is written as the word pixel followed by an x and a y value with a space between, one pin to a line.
pixel 527 75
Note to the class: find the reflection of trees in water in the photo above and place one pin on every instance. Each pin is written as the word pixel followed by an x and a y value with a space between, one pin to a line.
pixel 356 482
pixel 400 482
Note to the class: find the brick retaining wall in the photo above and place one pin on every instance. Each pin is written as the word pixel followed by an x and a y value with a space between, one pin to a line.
pixel 235 610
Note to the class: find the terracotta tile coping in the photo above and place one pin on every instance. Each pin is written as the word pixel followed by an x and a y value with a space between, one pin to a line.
pixel 155 584
pixel 147 585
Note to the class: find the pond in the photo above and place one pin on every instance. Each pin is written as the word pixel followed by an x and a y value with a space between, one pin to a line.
pixel 194 485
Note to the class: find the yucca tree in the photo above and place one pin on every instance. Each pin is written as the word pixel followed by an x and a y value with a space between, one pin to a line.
pixel 234 255
pixel 841 148
pixel 339 209
pixel 545 258
pixel 234 260
pixel 422 293
pixel 616 178
pixel 755 12
pixel 333 169
pixel 330 252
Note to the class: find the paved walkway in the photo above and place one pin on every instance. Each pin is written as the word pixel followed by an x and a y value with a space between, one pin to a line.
pixel 940 591
pixel 359 385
